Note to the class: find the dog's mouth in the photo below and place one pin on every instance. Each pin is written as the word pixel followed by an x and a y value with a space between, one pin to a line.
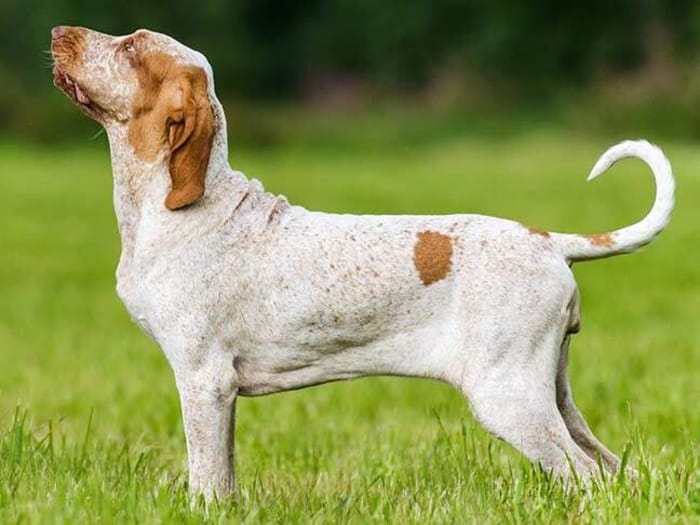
pixel 70 87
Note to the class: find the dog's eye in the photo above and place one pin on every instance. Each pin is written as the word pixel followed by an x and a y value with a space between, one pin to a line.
pixel 128 47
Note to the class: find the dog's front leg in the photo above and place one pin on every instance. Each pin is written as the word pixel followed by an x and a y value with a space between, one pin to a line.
pixel 208 412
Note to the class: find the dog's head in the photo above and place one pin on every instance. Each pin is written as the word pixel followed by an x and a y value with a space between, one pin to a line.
pixel 158 90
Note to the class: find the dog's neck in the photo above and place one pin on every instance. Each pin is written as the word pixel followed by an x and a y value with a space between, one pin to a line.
pixel 140 187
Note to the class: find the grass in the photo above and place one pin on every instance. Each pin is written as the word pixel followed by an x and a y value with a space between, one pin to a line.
pixel 90 428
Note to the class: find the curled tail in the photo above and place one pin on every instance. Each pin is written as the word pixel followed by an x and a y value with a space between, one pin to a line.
pixel 628 239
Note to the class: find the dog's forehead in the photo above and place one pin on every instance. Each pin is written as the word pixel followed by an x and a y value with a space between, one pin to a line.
pixel 154 41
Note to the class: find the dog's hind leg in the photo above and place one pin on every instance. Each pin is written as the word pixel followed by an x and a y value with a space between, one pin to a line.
pixel 575 422
pixel 514 397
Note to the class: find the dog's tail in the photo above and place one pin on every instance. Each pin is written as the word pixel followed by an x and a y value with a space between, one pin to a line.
pixel 630 238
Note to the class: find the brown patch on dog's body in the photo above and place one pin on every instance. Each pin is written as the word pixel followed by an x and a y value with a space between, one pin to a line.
pixel 432 256
pixel 603 240
pixel 537 231
pixel 172 107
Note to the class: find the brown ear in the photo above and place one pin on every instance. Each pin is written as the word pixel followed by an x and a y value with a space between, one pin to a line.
pixel 190 133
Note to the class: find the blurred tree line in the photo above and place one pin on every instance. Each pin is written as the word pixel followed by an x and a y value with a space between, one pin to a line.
pixel 266 50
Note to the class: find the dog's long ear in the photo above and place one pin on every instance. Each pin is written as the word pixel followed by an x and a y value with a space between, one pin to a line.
pixel 190 131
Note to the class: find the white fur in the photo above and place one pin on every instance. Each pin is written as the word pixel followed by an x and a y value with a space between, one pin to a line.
pixel 249 295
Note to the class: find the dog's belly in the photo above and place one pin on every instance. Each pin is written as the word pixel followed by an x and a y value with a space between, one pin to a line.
pixel 416 346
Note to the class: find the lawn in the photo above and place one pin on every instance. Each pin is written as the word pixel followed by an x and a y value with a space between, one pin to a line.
pixel 90 428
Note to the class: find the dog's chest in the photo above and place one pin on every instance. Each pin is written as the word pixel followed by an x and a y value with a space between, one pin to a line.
pixel 133 291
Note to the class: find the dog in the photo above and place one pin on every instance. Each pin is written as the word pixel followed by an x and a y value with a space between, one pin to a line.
pixel 247 294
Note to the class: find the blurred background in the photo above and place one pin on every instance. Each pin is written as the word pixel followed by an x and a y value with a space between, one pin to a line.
pixel 619 66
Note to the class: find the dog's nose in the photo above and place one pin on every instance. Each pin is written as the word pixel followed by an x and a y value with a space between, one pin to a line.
pixel 58 31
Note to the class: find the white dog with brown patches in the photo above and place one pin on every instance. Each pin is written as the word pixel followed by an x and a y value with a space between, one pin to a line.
pixel 249 295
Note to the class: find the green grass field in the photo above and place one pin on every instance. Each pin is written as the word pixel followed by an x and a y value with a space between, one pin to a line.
pixel 90 429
